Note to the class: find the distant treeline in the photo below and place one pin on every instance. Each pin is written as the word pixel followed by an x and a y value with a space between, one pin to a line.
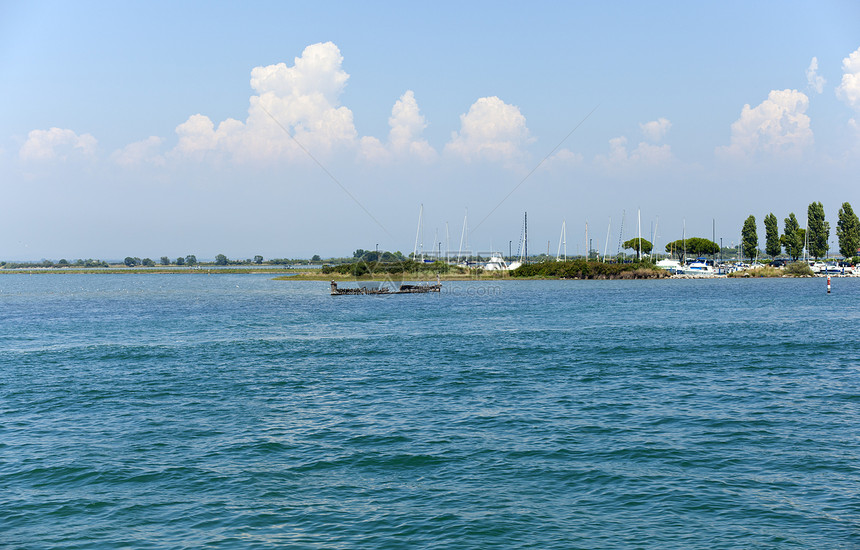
pixel 48 263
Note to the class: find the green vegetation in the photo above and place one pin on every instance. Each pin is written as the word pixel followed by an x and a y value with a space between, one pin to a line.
pixel 636 243
pixel 694 246
pixel 792 237
pixel 363 268
pixel 819 230
pixel 848 231
pixel 763 271
pixel 772 246
pixel 582 269
pixel 749 238
pixel 89 263
pixel 798 269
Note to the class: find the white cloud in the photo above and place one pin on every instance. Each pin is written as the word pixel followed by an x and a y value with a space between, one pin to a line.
pixel 563 159
pixel 407 123
pixel 644 155
pixel 302 98
pixel 656 129
pixel 849 90
pixel 778 126
pixel 491 130
pixel 57 143
pixel 815 80
pixel 566 156
pixel 140 152
pixel 373 150
pixel 404 139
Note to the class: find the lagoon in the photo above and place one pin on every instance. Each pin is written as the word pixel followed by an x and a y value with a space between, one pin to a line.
pixel 240 412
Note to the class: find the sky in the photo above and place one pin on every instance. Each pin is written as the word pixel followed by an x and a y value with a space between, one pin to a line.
pixel 290 129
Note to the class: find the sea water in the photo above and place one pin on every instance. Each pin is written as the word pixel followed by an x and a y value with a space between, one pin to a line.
pixel 235 411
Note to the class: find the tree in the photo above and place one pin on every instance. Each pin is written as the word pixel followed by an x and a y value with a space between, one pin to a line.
pixel 698 246
pixel 191 259
pixel 848 231
pixel 258 259
pixel 819 230
pixel 635 243
pixel 792 237
pixel 180 261
pixel 165 260
pixel 749 237
pixel 772 246
pixel 220 259
pixel 316 258
pixel 677 248
pixel 147 262
pixel 130 262
pixel 694 246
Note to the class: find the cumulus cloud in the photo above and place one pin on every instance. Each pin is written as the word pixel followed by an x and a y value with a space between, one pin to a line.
pixel 644 155
pixel 777 126
pixel 407 123
pixel 491 130
pixel 849 90
pixel 404 139
pixel 815 80
pixel 656 129
pixel 57 144
pixel 303 98
pixel 140 152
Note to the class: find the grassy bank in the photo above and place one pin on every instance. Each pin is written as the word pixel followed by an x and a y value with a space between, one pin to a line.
pixel 795 269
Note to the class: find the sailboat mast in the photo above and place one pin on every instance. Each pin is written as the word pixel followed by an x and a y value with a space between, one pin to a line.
pixel 462 235
pixel 447 244
pixel 656 227
pixel 417 232
pixel 562 241
pixel 606 246
pixel 684 239
pixel 526 238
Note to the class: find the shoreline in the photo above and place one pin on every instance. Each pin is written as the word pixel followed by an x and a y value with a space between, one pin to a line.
pixel 281 274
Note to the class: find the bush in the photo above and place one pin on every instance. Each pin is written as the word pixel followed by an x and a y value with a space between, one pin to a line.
pixel 581 269
pixel 798 269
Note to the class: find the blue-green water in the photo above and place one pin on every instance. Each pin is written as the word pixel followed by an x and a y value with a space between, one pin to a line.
pixel 233 411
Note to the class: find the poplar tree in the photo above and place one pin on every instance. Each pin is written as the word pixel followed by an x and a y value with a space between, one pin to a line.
pixel 848 231
pixel 792 237
pixel 772 245
pixel 819 230
pixel 749 237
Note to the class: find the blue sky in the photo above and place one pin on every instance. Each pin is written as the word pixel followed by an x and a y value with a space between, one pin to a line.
pixel 143 128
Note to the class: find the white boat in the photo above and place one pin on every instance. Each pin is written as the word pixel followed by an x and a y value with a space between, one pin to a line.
pixel 672 266
pixel 497 263
pixel 699 268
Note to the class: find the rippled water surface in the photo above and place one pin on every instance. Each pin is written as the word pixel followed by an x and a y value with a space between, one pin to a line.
pixel 233 411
